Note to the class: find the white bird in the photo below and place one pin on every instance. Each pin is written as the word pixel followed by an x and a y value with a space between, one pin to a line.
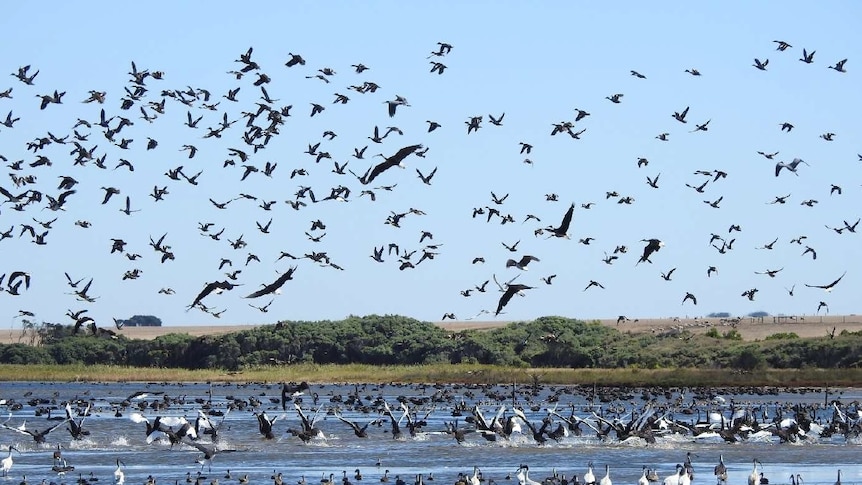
pixel 6 463
pixel 474 480
pixel 119 476
pixel 524 476
pixel 643 480
pixel 589 477
pixel 606 480
pixel 676 477
pixel 754 478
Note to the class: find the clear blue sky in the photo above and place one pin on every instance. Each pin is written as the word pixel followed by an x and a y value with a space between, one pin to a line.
pixel 534 63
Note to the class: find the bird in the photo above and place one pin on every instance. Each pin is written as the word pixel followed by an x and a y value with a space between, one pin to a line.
pixel 6 463
pixel 563 229
pixel 792 166
pixel 593 283
pixel 275 286
pixel 689 296
pixel 770 272
pixel 760 65
pixel 829 286
pixel 119 475
pixel 720 470
pixel 667 276
pixel 395 160
pixel 426 179
pixel 807 57
pixel 839 66
pixel 361 431
pixel 753 477
pixel 589 476
pixel 521 263
pixel 38 436
pixel 215 286
pixel 653 245
pixel 264 424
pixel 606 480
pixel 511 290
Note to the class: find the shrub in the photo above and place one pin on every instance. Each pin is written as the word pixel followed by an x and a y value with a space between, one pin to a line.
pixel 782 336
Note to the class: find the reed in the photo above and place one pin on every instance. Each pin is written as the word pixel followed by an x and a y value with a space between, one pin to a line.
pixel 444 374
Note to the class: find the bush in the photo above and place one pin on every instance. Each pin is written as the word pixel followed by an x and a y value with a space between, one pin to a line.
pixel 782 336
pixel 732 335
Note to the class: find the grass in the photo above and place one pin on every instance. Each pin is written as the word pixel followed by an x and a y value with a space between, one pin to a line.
pixel 442 373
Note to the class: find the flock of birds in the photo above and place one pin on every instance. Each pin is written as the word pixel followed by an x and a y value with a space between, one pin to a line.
pixel 101 141
pixel 520 416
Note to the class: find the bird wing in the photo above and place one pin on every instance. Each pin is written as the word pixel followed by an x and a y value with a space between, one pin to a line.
pixel 392 161
pixel 567 219
pixel 507 295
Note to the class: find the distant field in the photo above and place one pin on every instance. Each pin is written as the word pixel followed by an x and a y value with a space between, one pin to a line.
pixel 811 326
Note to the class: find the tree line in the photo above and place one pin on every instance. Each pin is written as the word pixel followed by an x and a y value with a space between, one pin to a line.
pixel 397 340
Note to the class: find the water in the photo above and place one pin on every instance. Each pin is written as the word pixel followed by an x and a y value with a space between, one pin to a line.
pixel 432 453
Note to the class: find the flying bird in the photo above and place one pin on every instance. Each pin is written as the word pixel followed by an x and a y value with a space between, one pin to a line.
pixel 275 286
pixel 653 245
pixel 827 287
pixel 511 290
pixel 563 229
pixel 521 263
pixel 215 286
pixel 395 160
pixel 792 166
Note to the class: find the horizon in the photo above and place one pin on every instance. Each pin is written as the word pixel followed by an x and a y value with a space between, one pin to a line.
pixel 506 59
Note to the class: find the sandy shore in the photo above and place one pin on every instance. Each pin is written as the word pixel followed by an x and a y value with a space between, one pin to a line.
pixel 750 329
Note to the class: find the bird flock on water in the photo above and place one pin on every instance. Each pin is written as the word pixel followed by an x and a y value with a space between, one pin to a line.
pixel 209 425
pixel 51 185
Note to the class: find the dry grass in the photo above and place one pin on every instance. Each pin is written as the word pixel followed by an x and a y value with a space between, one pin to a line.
pixel 441 373
pixel 750 329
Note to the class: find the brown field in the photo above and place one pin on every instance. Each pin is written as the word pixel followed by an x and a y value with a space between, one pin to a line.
pixel 750 329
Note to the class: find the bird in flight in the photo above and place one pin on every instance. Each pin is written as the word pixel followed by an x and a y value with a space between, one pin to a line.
pixel 563 229
pixel 275 286
pixel 827 287
pixel 511 290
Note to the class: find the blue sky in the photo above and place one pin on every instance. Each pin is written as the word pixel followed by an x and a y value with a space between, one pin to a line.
pixel 536 64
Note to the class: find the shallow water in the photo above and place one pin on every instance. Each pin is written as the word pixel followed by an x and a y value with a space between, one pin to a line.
pixel 432 453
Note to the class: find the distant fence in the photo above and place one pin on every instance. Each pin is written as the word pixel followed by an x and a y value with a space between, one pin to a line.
pixel 787 318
